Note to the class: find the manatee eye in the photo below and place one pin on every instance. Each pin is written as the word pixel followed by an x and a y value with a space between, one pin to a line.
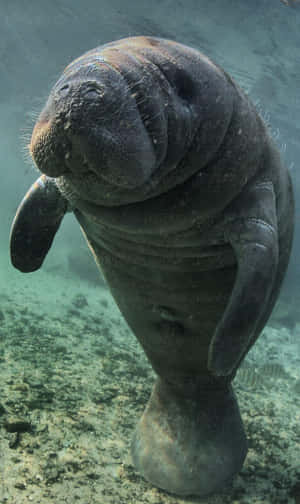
pixel 185 87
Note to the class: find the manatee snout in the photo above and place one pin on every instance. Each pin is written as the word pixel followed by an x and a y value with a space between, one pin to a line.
pixel 93 127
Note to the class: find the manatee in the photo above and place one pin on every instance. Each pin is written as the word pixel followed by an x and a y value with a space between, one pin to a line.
pixel 188 210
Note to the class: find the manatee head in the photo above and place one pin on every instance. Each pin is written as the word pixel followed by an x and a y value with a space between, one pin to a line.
pixel 91 136
pixel 130 120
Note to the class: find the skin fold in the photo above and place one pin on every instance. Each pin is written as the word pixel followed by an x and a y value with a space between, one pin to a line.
pixel 188 210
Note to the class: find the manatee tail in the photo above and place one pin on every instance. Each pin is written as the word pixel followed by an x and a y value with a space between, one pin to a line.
pixel 35 224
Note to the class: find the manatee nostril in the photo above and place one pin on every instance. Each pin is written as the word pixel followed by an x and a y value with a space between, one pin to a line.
pixel 92 93
pixel 64 89
pixel 92 90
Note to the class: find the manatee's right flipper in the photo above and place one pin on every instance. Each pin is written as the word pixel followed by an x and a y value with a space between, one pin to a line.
pixel 252 233
pixel 36 222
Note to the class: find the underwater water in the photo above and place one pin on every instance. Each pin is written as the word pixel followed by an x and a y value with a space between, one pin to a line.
pixel 74 381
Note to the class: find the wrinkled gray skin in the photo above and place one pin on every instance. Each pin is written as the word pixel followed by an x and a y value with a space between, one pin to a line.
pixel 184 202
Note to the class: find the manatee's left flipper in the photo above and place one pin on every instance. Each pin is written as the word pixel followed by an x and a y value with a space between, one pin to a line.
pixel 251 230
pixel 35 224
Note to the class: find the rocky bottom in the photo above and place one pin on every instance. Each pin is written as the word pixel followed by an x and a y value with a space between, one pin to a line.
pixel 74 383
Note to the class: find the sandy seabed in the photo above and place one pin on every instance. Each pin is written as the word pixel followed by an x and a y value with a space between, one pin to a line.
pixel 74 383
